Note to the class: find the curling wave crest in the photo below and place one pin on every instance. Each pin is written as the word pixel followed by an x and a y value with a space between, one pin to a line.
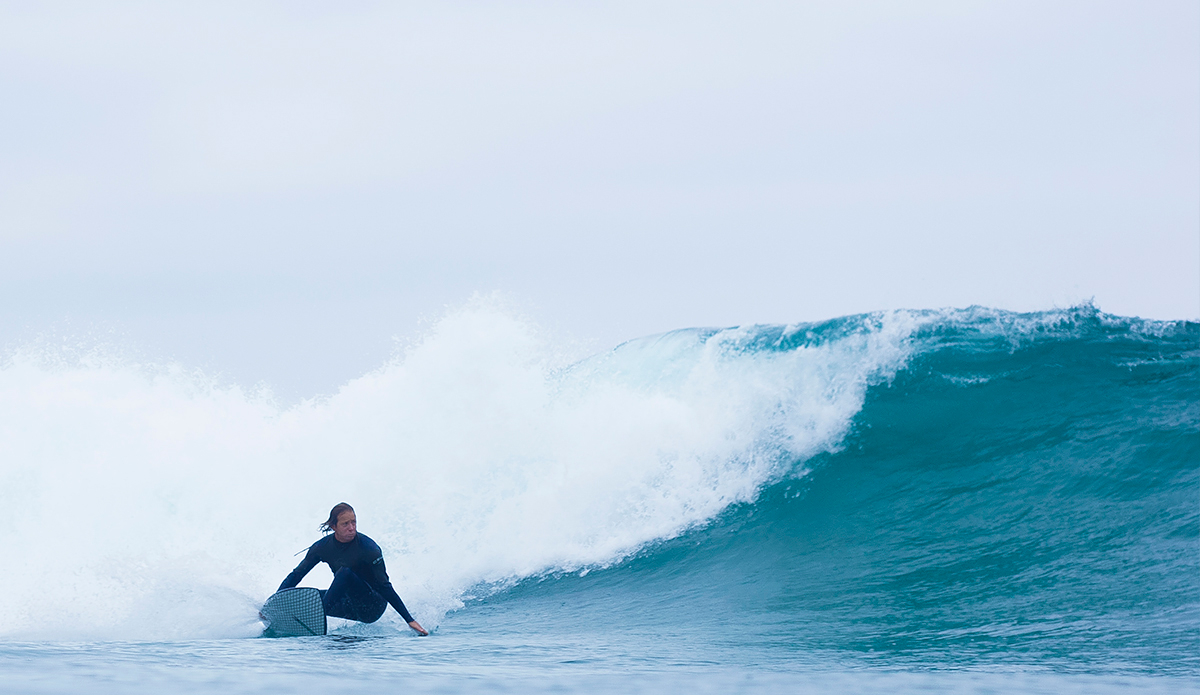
pixel 156 503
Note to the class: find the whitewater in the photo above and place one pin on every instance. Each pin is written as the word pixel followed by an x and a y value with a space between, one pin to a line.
pixel 946 500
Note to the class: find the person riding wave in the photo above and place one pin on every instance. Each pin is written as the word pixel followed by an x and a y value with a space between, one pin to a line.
pixel 360 589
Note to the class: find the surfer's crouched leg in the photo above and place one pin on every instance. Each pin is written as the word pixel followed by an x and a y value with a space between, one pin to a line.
pixel 351 598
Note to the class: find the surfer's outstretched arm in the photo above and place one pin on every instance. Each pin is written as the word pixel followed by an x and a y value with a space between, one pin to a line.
pixel 384 586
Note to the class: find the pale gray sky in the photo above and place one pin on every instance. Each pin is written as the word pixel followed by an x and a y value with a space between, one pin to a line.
pixel 275 190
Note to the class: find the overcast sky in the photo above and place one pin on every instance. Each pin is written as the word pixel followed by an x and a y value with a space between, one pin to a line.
pixel 276 190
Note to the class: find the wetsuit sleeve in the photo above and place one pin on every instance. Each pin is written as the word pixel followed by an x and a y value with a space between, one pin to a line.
pixel 384 586
pixel 310 561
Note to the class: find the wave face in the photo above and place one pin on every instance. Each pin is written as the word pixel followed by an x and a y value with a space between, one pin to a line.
pixel 931 486
pixel 1025 490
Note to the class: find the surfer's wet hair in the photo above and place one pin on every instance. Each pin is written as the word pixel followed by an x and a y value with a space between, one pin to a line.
pixel 331 523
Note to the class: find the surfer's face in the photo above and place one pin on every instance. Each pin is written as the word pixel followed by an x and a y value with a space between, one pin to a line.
pixel 347 527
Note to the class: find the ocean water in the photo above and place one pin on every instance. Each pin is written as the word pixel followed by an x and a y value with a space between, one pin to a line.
pixel 920 501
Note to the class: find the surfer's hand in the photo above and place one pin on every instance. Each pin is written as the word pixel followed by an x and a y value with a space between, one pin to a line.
pixel 420 630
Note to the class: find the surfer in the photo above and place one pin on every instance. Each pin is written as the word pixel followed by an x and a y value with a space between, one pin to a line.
pixel 360 589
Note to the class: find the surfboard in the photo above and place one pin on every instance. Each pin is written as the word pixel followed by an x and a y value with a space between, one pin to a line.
pixel 296 612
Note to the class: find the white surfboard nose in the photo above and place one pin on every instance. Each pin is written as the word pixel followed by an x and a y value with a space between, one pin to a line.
pixel 296 612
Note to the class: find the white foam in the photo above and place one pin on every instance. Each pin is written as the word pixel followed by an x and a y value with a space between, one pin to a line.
pixel 149 503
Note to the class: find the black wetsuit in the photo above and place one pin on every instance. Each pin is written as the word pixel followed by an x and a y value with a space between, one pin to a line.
pixel 360 589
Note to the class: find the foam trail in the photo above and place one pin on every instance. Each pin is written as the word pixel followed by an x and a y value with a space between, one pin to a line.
pixel 154 503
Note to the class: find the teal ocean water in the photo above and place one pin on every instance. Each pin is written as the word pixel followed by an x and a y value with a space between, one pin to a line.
pixel 941 501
